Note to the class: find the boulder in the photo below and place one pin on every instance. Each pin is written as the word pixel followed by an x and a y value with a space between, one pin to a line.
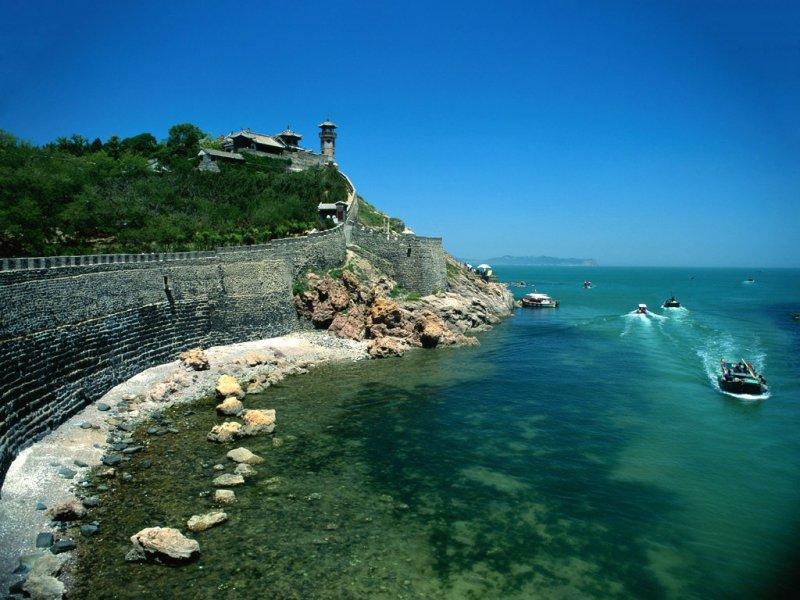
pixel 43 587
pixel 228 386
pixel 195 359
pixel 322 315
pixel 224 497
pixel 243 455
pixel 385 311
pixel 68 510
pixel 244 470
pixel 334 292
pixel 384 347
pixel 226 432
pixel 230 406
pixel 164 545
pixel 258 421
pixel 430 328
pixel 206 521
pixel 227 480
pixel 351 282
pixel 349 326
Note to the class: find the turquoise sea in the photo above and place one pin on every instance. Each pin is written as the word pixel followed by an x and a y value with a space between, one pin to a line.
pixel 578 452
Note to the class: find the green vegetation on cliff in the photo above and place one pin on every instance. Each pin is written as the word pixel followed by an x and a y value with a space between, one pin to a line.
pixel 369 216
pixel 136 194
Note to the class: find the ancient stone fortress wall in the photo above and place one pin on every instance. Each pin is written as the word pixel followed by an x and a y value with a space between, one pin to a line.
pixel 69 333
pixel 72 327
pixel 417 263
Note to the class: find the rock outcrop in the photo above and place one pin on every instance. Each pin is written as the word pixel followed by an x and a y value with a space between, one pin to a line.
pixel 231 406
pixel 360 308
pixel 164 545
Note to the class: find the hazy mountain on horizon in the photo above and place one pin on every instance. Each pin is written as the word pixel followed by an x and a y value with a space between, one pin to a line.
pixel 540 261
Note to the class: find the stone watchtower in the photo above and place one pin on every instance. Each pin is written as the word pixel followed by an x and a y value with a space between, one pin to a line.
pixel 327 138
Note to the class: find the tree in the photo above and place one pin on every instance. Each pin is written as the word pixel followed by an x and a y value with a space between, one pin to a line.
pixel 113 147
pixel 184 139
pixel 144 144
pixel 96 145
pixel 75 144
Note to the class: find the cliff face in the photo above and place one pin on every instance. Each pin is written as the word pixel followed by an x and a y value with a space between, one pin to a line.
pixel 362 303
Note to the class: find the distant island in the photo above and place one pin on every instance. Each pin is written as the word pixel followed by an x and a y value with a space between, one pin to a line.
pixel 539 261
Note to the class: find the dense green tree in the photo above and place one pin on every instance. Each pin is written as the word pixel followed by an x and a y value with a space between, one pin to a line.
pixel 96 145
pixel 184 139
pixel 55 202
pixel 113 147
pixel 144 144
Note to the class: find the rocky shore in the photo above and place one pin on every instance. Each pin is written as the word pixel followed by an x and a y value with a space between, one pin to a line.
pixel 50 491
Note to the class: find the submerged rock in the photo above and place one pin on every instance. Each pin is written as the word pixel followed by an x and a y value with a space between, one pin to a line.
pixel 44 540
pixel 243 455
pixel 258 421
pixel 224 497
pixel 195 359
pixel 64 545
pixel 227 479
pixel 228 386
pixel 164 545
pixel 43 587
pixel 206 521
pixel 227 432
pixel 244 470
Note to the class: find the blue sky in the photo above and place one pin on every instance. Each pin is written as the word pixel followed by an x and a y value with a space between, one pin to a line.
pixel 642 133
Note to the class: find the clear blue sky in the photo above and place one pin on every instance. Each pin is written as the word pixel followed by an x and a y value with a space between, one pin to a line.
pixel 650 133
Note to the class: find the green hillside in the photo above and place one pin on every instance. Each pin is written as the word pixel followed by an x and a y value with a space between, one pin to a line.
pixel 73 196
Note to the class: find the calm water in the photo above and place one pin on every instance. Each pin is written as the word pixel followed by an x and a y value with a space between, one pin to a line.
pixel 578 452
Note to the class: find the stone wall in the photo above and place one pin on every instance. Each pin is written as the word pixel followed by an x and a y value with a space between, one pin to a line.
pixel 71 327
pixel 69 333
pixel 417 263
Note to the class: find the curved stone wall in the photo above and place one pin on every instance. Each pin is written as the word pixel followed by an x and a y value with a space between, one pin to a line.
pixel 69 333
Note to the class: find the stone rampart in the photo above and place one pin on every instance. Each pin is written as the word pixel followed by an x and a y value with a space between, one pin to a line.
pixel 69 333
pixel 71 327
pixel 415 262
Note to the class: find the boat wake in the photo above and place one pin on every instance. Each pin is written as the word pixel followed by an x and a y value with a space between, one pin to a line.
pixel 646 319
pixel 724 347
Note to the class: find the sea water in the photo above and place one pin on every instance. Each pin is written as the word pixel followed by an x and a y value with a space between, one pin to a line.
pixel 578 452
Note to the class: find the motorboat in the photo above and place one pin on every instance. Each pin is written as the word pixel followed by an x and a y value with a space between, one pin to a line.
pixel 587 285
pixel 671 302
pixel 537 300
pixel 741 378
pixel 641 309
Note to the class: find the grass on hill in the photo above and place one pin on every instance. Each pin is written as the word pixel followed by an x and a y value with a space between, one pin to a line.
pixel 136 194
pixel 369 216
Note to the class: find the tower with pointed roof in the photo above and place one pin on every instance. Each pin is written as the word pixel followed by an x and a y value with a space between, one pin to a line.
pixel 327 138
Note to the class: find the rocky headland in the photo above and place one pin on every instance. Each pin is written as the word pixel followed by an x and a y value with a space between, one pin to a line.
pixel 54 486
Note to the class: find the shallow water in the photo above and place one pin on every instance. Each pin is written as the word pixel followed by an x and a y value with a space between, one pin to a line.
pixel 577 452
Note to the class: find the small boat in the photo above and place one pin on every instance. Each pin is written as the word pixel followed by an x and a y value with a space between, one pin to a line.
pixel 750 280
pixel 741 378
pixel 672 303
pixel 641 309
pixel 537 300
pixel 587 285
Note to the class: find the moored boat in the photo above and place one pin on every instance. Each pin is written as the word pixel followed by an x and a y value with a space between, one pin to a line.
pixel 537 300
pixel 672 303
pixel 741 378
